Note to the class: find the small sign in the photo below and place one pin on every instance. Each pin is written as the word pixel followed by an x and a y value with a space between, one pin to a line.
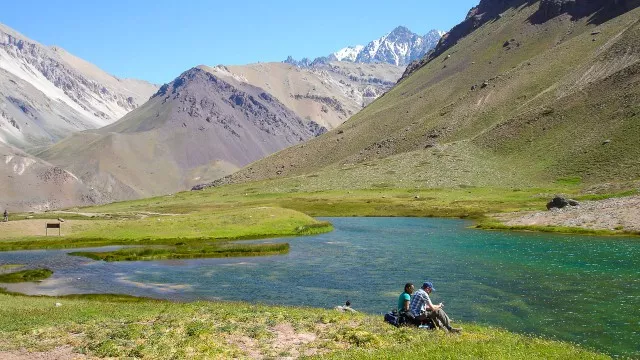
pixel 52 226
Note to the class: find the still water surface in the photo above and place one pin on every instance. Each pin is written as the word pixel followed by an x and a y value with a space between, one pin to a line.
pixel 576 288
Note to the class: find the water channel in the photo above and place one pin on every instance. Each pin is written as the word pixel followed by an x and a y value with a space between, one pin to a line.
pixel 575 288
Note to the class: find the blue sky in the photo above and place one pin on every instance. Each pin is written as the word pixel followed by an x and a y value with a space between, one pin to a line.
pixel 157 40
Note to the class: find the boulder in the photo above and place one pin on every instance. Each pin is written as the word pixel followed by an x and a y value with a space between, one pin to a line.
pixel 560 202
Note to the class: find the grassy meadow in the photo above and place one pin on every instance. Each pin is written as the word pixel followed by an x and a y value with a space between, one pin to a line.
pixel 125 327
pixel 199 234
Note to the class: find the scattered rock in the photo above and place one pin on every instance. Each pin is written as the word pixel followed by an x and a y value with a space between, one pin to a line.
pixel 606 142
pixel 61 220
pixel 58 304
pixel 484 85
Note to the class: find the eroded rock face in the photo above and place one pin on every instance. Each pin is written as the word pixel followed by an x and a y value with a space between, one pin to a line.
pixel 552 8
pixel 579 8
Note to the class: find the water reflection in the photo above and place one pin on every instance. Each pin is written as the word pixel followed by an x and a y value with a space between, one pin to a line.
pixel 582 289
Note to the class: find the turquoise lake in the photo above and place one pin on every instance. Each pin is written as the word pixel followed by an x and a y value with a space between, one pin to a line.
pixel 575 288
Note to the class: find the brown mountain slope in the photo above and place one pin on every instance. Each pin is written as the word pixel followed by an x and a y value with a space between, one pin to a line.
pixel 29 183
pixel 199 127
pixel 515 102
pixel 326 93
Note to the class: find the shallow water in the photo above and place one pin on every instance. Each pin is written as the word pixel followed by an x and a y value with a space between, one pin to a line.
pixel 576 288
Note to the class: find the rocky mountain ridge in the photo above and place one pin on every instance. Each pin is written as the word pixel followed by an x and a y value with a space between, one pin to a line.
pixel 327 93
pixel 490 10
pixel 399 47
pixel 47 93
pixel 199 127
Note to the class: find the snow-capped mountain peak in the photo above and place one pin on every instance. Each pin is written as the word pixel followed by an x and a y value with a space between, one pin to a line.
pixel 399 47
pixel 349 53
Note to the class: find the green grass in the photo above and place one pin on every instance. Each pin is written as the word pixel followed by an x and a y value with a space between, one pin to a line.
pixel 127 327
pixel 25 276
pixel 201 231
pixel 185 251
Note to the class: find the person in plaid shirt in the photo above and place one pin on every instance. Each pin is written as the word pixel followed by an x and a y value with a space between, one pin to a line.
pixel 422 308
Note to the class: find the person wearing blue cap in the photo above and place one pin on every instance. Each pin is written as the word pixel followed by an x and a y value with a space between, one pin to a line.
pixel 423 309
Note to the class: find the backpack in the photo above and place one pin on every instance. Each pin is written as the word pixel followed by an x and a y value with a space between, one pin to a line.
pixel 392 318
pixel 396 319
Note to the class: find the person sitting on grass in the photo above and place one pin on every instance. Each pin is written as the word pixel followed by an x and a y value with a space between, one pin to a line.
pixel 346 307
pixel 423 310
pixel 405 299
pixel 403 304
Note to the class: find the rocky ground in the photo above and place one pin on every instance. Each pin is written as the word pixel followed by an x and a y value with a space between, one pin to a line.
pixel 612 214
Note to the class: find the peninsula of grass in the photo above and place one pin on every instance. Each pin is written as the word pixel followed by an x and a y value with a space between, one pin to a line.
pixel 184 251
pixel 25 276
pixel 176 235
pixel 112 326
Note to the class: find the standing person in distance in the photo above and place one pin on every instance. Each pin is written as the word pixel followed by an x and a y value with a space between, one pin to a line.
pixel 423 309
pixel 6 215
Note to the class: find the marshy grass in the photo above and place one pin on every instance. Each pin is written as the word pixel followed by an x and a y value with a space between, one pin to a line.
pixel 25 276
pixel 184 251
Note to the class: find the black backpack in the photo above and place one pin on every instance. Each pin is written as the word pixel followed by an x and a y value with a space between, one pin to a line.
pixel 396 319
pixel 392 318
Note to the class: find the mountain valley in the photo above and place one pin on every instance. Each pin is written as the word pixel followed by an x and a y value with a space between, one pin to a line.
pixel 516 102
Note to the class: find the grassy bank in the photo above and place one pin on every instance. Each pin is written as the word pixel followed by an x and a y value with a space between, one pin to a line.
pixel 121 326
pixel 25 276
pixel 195 234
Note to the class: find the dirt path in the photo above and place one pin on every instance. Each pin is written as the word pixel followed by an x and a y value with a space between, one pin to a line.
pixel 59 353
pixel 610 214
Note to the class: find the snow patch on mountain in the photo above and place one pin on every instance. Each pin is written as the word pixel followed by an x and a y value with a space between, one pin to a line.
pixel 349 53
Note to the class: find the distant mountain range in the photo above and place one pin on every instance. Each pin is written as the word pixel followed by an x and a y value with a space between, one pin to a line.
pixel 71 134
pixel 399 47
